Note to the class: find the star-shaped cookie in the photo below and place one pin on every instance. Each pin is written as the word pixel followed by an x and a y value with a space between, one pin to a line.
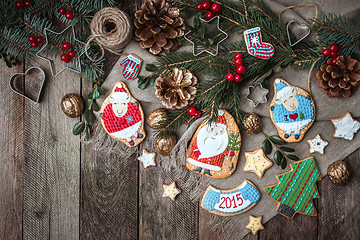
pixel 147 158
pixel 255 224
pixel 345 126
pixel 317 144
pixel 171 191
pixel 257 162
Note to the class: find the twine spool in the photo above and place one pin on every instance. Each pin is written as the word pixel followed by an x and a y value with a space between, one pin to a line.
pixel 111 29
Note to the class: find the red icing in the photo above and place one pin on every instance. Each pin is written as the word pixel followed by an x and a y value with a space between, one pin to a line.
pixel 294 116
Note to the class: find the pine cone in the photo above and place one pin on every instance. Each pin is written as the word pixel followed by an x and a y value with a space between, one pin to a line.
pixel 159 26
pixel 339 80
pixel 176 89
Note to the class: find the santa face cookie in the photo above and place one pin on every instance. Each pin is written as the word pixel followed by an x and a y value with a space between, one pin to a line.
pixel 292 111
pixel 230 202
pixel 122 116
pixel 214 148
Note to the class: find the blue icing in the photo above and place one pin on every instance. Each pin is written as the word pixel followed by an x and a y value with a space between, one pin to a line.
pixel 249 192
pixel 281 115
pixel 211 198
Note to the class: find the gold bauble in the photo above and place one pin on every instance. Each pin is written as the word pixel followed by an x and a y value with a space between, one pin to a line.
pixel 252 123
pixel 164 145
pixel 156 116
pixel 339 173
pixel 72 105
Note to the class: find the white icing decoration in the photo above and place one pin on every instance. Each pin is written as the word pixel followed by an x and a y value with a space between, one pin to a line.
pixel 346 127
pixel 317 144
pixel 147 158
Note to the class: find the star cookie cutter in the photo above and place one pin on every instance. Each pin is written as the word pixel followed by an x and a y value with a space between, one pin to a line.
pixel 51 62
pixel 12 87
pixel 256 103
pixel 288 34
pixel 217 45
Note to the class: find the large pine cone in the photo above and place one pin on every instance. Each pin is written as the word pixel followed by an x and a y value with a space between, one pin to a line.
pixel 159 26
pixel 339 80
pixel 176 89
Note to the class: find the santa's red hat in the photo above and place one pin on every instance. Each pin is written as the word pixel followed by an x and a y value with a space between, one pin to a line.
pixel 221 122
pixel 120 93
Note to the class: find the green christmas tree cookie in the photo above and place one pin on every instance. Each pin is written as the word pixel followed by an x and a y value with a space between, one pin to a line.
pixel 296 189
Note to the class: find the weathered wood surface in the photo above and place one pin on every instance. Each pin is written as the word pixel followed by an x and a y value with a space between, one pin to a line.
pixel 54 187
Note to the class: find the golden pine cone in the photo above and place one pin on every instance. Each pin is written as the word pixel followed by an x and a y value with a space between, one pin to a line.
pixel 159 26
pixel 176 89
pixel 341 79
pixel 339 173
pixel 252 123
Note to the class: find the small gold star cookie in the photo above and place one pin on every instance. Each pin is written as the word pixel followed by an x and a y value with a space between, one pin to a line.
pixel 255 224
pixel 257 162
pixel 171 191
pixel 147 158
pixel 317 144
pixel 345 126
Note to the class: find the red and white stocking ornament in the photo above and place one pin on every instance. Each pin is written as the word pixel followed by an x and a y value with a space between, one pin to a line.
pixel 255 46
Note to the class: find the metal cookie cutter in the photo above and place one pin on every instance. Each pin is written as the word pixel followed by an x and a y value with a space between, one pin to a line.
pixel 288 34
pixel 11 83
pixel 263 90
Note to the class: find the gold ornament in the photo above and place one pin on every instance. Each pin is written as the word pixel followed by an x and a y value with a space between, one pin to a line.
pixel 164 145
pixel 252 123
pixel 339 173
pixel 72 105
pixel 156 116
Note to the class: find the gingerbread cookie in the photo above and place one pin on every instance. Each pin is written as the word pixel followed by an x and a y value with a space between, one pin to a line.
pixel 292 111
pixel 296 189
pixel 214 148
pixel 122 116
pixel 345 126
pixel 255 46
pixel 255 224
pixel 232 201
pixel 317 144
pixel 257 162
pixel 171 191
pixel 147 158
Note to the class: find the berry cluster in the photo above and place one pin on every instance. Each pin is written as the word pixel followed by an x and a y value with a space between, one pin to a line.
pixel 68 14
pixel 205 5
pixel 35 41
pixel 240 69
pixel 193 112
pixel 21 4
pixel 332 52
pixel 66 57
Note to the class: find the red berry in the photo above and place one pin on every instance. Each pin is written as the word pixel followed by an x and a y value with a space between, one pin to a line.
pixel 19 4
pixel 232 154
pixel 333 54
pixel 229 76
pixel 238 61
pixel 216 8
pixel 32 38
pixel 34 44
pixel 240 69
pixel 191 110
pixel 333 48
pixel 66 45
pixel 210 15
pixel 197 114
pixel 359 46
pixel 326 52
pixel 28 3
pixel 40 39
pixel 69 15
pixel 65 57
pixel 206 5
pixel 237 56
pixel 62 10
pixel 238 78
pixel 71 54
pixel 333 61
pixel 199 6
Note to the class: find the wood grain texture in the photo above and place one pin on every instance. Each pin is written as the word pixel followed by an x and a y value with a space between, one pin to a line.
pixel 11 160
pixel 52 162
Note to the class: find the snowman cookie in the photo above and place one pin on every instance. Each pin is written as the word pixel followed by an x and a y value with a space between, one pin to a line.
pixel 292 111
pixel 122 116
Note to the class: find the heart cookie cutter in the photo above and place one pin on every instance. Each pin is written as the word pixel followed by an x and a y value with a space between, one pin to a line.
pixel 302 38
pixel 11 83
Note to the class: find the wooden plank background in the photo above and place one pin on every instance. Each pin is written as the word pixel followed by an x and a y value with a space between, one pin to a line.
pixel 54 187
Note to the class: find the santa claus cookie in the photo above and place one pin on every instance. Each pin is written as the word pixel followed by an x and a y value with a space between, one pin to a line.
pixel 292 111
pixel 214 148
pixel 122 116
